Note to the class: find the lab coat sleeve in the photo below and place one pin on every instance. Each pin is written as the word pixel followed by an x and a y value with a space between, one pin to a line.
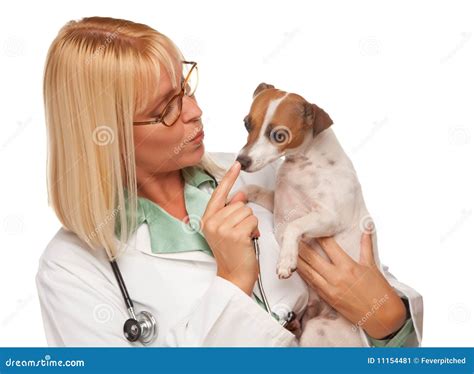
pixel 79 308
pixel 227 316
pixel 415 301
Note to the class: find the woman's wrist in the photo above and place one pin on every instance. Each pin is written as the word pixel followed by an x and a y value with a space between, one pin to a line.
pixel 388 320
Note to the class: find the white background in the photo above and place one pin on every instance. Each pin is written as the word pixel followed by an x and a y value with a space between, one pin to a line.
pixel 397 79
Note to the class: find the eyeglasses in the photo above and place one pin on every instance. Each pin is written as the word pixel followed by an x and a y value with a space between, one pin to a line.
pixel 172 110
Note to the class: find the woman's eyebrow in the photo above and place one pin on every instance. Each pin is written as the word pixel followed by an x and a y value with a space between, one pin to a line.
pixel 166 98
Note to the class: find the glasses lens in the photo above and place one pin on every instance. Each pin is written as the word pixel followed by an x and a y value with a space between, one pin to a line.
pixel 172 111
pixel 193 78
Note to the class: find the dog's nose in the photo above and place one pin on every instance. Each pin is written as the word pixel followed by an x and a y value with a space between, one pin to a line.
pixel 245 161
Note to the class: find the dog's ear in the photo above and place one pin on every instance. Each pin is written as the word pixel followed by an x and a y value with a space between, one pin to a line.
pixel 261 87
pixel 316 117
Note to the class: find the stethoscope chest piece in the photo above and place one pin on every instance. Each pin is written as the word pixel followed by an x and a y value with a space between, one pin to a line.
pixel 143 328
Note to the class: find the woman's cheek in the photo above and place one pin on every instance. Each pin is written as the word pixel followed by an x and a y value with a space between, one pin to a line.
pixel 174 137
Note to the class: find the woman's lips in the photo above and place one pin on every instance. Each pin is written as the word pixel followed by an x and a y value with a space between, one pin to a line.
pixel 198 138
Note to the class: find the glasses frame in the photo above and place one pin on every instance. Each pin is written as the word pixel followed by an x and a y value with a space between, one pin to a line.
pixel 179 95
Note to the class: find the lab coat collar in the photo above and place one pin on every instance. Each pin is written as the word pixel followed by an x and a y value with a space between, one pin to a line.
pixel 141 242
pixel 167 235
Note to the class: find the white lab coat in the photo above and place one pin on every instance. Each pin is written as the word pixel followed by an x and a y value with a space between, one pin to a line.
pixel 82 304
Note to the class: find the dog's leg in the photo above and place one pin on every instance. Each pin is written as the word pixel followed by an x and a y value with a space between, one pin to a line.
pixel 258 195
pixel 322 222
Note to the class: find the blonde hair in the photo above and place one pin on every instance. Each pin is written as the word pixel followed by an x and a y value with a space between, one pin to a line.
pixel 98 74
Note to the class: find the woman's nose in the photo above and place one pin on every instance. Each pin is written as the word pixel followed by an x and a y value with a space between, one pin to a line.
pixel 190 110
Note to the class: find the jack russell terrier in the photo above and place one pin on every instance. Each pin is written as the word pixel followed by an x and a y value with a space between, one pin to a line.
pixel 317 194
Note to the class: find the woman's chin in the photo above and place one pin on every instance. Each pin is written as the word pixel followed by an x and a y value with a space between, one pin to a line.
pixel 199 151
pixel 193 156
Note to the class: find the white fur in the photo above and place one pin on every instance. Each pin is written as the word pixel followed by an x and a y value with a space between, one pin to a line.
pixel 317 194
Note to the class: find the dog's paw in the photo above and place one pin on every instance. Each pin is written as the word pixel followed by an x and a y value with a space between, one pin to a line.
pixel 286 266
pixel 288 258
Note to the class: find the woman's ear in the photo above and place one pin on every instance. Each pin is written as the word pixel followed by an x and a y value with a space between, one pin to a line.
pixel 261 87
pixel 316 117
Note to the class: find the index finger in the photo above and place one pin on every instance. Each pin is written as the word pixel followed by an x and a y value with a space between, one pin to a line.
pixel 219 196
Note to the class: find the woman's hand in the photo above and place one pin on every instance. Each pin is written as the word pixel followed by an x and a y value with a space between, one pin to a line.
pixel 357 290
pixel 228 230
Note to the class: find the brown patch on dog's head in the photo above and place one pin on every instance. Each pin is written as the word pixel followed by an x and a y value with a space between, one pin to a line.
pixel 262 97
pixel 262 86
pixel 287 128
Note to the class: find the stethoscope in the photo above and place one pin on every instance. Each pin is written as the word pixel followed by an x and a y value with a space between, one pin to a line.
pixel 282 320
pixel 143 326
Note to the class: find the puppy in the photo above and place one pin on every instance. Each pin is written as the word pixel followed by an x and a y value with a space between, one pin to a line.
pixel 317 194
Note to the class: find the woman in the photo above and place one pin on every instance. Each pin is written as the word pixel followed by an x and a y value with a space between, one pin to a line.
pixel 130 181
